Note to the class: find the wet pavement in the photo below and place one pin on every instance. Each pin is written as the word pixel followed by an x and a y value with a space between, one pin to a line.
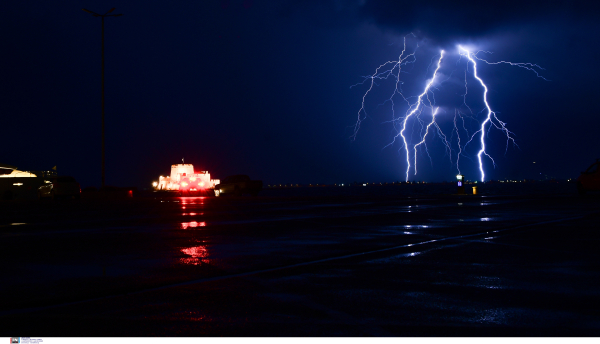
pixel 281 264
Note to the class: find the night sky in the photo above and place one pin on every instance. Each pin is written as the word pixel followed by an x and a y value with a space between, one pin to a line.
pixel 264 88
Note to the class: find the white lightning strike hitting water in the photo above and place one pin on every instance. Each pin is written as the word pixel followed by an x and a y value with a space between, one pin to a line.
pixel 427 100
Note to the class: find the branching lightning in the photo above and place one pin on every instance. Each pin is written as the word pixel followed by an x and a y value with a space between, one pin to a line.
pixel 488 117
pixel 458 139
pixel 424 136
pixel 413 109
pixel 427 99
pixel 386 73
pixel 529 66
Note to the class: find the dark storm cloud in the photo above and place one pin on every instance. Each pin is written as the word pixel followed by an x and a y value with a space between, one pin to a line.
pixel 440 21
pixel 443 20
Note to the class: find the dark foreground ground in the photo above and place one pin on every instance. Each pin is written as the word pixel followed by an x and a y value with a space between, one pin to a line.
pixel 510 262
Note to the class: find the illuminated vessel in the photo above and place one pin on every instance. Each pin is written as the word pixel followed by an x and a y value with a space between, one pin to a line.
pixel 184 178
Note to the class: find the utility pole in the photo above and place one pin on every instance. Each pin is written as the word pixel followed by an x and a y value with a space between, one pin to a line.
pixel 102 16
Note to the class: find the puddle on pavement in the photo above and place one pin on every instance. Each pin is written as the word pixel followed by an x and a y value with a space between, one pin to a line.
pixel 405 229
pixel 393 259
pixel 489 282
pixel 492 316
pixel 197 255
pixel 417 226
pixel 470 219
pixel 194 203
pixel 193 224
pixel 411 208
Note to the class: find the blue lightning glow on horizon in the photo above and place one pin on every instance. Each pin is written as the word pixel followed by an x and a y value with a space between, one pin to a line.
pixel 426 99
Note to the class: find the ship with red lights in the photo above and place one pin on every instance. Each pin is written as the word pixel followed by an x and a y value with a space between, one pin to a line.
pixel 184 179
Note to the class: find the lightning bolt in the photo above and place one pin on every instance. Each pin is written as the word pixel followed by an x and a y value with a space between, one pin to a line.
pixel 529 66
pixel 458 138
pixel 488 119
pixel 413 109
pixel 424 136
pixel 393 69
pixel 385 74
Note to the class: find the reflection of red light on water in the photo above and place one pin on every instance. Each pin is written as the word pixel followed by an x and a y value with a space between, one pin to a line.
pixel 192 200
pixel 186 225
pixel 197 254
